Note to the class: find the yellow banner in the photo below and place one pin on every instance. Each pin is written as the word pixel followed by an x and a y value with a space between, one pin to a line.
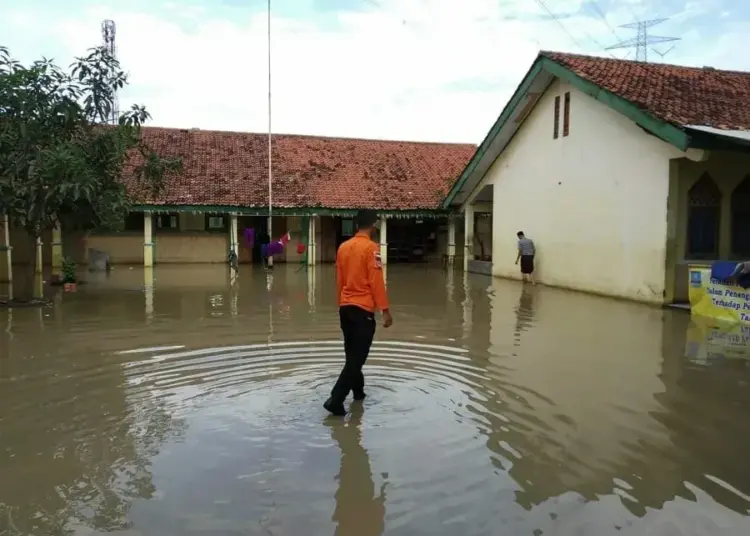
pixel 712 299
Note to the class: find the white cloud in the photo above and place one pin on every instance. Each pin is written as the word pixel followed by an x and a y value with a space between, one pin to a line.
pixel 390 72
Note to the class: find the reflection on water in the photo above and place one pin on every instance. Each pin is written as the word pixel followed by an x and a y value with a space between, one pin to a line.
pixel 709 340
pixel 178 402
pixel 359 509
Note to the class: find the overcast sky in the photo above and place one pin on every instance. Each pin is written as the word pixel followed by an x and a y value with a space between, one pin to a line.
pixel 438 70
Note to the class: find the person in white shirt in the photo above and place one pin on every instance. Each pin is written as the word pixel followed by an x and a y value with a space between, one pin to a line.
pixel 526 252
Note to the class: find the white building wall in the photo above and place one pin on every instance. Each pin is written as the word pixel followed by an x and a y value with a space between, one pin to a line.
pixel 594 202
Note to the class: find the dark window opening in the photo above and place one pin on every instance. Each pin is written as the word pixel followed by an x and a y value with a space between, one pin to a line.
pixel 556 130
pixel 566 115
pixel 167 221
pixel 741 219
pixel 483 236
pixel 411 239
pixel 347 227
pixel 134 221
pixel 704 217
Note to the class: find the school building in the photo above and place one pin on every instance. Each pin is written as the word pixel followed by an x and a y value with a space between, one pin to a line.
pixel 318 185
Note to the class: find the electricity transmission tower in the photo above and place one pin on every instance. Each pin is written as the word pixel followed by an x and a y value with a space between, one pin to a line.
pixel 642 40
pixel 108 35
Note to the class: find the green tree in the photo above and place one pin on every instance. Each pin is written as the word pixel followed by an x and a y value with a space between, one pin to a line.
pixel 59 160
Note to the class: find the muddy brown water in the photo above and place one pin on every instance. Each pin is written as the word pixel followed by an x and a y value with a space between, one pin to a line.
pixel 186 406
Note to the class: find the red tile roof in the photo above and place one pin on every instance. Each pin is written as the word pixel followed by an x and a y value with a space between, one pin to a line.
pixel 231 169
pixel 675 94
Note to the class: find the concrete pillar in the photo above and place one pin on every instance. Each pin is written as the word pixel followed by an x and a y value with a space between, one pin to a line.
pixel 312 246
pixel 6 253
pixel 269 260
pixel 467 309
pixel 451 240
pixel 233 235
pixel 39 259
pixel 384 240
pixel 468 235
pixel 57 250
pixel 148 291
pixel 38 290
pixel 450 284
pixel 148 240
pixel 311 290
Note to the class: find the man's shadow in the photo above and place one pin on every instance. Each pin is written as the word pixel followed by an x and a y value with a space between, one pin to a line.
pixel 359 511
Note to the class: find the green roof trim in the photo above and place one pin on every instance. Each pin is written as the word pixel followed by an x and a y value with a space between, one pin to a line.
pixel 663 130
pixel 506 114
pixel 284 211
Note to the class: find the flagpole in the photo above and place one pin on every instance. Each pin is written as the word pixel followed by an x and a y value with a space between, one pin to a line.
pixel 270 157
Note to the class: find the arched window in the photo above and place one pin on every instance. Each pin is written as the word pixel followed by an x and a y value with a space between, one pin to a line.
pixel 704 217
pixel 741 219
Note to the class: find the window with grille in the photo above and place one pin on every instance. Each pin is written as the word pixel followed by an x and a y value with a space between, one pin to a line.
pixel 741 219
pixel 704 219
pixel 167 221
pixel 216 223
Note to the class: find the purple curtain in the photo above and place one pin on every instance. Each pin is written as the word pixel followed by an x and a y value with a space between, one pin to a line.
pixel 250 237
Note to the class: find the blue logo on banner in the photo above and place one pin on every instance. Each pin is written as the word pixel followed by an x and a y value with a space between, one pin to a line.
pixel 695 279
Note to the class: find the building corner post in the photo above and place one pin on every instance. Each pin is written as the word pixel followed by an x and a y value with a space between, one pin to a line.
pixel 312 239
pixel 233 238
pixel 451 240
pixel 468 235
pixel 39 261
pixel 384 240
pixel 57 250
pixel 6 252
pixel 148 240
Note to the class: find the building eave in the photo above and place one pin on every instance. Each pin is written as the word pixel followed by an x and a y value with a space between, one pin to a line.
pixel 287 211
pixel 710 138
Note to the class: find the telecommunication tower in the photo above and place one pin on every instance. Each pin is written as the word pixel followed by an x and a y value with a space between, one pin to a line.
pixel 642 40
pixel 108 34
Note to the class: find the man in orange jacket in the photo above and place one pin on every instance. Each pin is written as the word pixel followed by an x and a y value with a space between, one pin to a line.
pixel 361 293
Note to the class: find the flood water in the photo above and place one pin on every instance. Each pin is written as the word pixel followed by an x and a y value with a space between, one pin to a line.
pixel 173 403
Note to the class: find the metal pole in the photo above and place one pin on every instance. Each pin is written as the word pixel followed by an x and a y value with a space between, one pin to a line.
pixel 270 157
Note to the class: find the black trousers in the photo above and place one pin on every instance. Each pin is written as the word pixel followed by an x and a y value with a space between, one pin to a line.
pixel 358 327
pixel 527 264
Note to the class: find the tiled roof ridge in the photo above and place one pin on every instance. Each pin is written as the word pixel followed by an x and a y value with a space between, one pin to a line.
pixel 308 136
pixel 551 54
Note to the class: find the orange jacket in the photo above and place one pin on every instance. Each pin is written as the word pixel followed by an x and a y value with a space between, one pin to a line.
pixel 359 274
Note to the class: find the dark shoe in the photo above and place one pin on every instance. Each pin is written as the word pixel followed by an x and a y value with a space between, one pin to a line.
pixel 336 409
pixel 360 396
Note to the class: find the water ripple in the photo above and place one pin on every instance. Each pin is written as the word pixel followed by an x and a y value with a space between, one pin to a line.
pixel 491 409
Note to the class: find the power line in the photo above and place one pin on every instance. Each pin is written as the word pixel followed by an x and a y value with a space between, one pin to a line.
pixel 564 29
pixel 601 15
pixel 590 38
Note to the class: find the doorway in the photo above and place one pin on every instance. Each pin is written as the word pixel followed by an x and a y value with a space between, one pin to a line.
pixel 260 225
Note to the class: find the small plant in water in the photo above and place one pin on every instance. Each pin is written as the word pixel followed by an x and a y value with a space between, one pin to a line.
pixel 69 270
